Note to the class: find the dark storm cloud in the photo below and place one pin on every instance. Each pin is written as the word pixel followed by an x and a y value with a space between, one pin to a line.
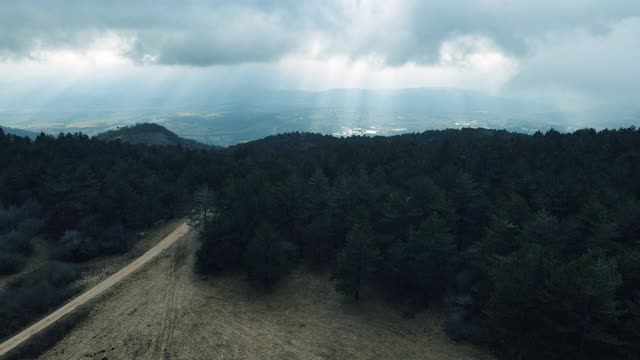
pixel 579 51
pixel 192 33
pixel 513 25
pixel 202 33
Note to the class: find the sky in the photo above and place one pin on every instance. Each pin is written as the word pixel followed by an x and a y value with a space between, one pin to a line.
pixel 579 54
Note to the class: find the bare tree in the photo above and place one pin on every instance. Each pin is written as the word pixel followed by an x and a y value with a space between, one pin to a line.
pixel 204 201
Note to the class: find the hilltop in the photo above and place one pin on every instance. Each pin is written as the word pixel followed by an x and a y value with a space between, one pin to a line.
pixel 148 134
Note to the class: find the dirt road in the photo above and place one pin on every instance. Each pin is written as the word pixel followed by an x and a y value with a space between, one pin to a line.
pixel 95 291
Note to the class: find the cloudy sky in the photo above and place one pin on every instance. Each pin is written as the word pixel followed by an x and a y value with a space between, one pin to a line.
pixel 577 52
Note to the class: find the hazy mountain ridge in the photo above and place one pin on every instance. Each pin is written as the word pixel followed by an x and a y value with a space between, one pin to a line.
pixel 19 132
pixel 148 134
pixel 232 117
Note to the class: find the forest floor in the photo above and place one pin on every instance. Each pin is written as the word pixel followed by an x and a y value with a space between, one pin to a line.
pixel 166 311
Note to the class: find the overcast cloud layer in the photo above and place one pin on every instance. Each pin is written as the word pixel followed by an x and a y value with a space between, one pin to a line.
pixel 579 52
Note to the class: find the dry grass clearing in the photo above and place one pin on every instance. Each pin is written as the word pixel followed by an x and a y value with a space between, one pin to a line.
pixel 166 312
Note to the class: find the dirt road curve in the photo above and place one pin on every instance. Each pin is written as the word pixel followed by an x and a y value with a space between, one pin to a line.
pixel 95 291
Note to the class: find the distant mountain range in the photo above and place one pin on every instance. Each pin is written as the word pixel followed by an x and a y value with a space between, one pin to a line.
pixel 216 116
pixel 148 134
pixel 421 100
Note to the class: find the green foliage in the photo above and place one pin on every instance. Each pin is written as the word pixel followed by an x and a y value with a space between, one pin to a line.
pixel 501 238
pixel 357 262
pixel 513 308
pixel 433 252
pixel 268 258
pixel 571 308
pixel 316 194
pixel 319 244
pixel 115 239
pixel 584 293
pixel 530 242
pixel 422 266
pixel 11 262
pixel 470 207
pixel 105 191
pixel 490 223
pixel 222 246
pixel 34 294
pixel 75 246
pixel 18 226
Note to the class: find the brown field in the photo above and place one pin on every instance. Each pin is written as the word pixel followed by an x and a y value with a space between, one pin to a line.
pixel 165 311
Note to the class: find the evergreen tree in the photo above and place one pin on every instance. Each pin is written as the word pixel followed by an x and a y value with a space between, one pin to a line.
pixel 317 194
pixel 433 251
pixel 356 262
pixel 421 267
pixel 222 246
pixel 513 310
pixel 583 293
pixel 267 258
pixel 469 203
